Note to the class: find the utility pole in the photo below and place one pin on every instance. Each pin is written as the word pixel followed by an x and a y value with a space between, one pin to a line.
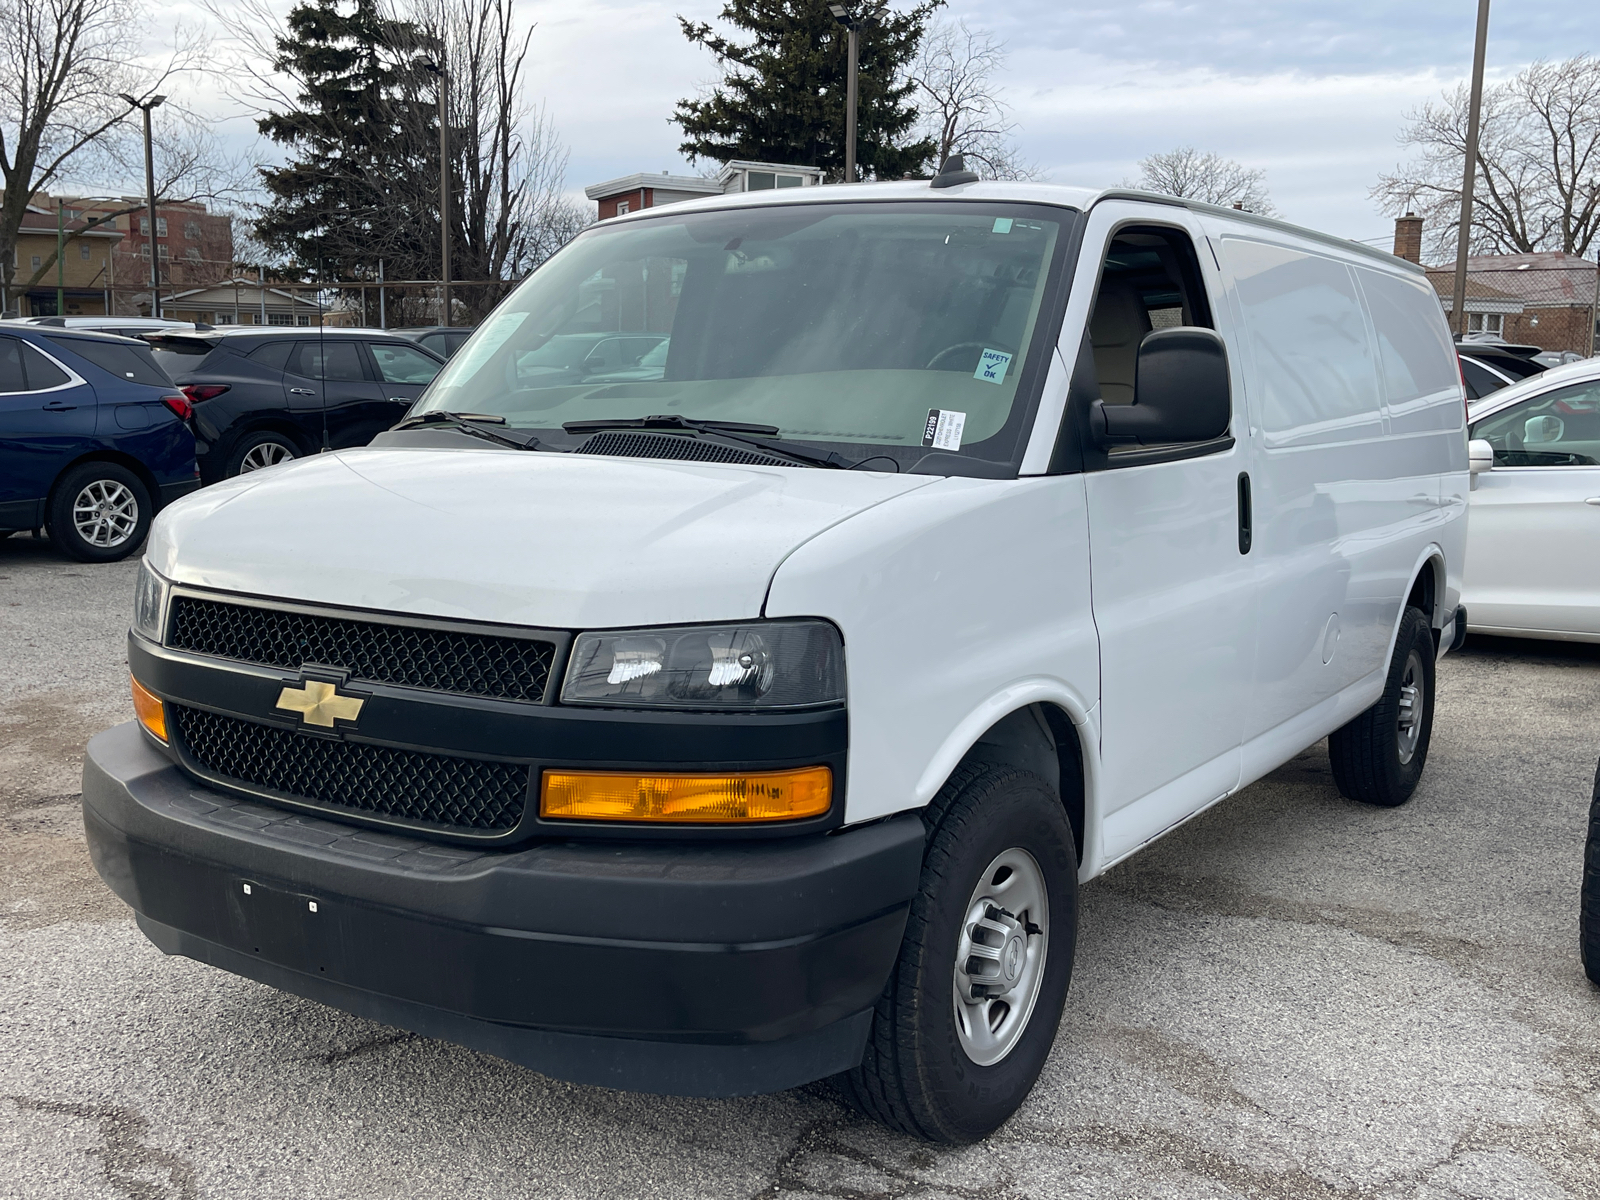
pixel 61 257
pixel 853 17
pixel 1458 311
pixel 438 69
pixel 150 198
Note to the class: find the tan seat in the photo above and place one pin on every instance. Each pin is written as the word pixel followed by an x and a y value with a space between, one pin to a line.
pixel 1116 329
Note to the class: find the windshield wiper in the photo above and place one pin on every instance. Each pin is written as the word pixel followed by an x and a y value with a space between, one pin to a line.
pixel 469 423
pixel 757 436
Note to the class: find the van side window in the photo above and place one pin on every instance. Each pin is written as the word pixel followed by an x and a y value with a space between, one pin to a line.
pixel 1314 357
pixel 1150 281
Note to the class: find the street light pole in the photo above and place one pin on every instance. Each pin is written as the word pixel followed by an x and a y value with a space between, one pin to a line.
pixel 444 188
pixel 853 17
pixel 150 198
pixel 1458 312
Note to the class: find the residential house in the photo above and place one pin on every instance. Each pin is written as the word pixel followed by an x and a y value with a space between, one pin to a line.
pixel 244 301
pixel 84 274
pixel 630 193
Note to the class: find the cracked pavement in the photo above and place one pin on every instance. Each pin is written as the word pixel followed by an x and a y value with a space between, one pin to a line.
pixel 1291 997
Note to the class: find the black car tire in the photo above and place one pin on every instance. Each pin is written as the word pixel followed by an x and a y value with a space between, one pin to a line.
pixel 257 445
pixel 99 512
pixel 1589 902
pixel 1378 757
pixel 917 1075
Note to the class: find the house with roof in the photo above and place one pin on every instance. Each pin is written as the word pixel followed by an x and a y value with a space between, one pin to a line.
pixel 84 273
pixel 630 193
pixel 243 301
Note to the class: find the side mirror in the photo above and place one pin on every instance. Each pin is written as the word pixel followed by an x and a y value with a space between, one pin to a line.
pixel 1480 456
pixel 1181 392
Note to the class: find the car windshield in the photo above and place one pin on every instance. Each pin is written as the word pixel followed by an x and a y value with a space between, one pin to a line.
pixel 870 328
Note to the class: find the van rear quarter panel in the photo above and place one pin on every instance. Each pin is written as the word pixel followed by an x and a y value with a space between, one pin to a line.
pixel 959 602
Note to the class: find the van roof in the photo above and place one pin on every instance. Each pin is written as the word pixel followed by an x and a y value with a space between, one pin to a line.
pixel 1080 198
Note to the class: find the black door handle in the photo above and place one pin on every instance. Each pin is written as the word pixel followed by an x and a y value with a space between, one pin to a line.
pixel 57 406
pixel 1246 517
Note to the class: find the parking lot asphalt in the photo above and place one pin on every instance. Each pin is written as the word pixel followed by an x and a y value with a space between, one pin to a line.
pixel 1293 996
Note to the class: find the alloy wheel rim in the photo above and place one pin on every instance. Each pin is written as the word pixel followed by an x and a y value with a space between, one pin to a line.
pixel 267 454
pixel 1000 956
pixel 105 513
pixel 1409 711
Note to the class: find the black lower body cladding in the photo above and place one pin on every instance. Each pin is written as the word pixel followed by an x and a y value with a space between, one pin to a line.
pixel 685 968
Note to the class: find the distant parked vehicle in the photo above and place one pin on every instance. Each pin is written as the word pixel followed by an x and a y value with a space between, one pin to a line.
pixel 122 326
pixel 1488 366
pixel 1533 541
pixel 1557 358
pixel 263 396
pixel 1589 903
pixel 93 439
pixel 443 340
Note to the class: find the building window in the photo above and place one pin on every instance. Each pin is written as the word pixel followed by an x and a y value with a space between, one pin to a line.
pixel 162 251
pixel 280 319
pixel 192 253
pixel 36 261
pixel 224 319
pixel 161 227
pixel 191 230
pixel 304 320
pixel 1491 323
pixel 622 208
pixel 144 251
pixel 144 226
pixel 83 251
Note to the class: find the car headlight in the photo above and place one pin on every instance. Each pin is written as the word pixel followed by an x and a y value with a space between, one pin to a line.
pixel 760 665
pixel 149 603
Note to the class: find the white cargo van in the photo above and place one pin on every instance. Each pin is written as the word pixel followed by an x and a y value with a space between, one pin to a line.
pixel 728 673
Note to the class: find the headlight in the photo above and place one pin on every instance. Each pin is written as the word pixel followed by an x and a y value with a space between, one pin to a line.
pixel 149 603
pixel 762 665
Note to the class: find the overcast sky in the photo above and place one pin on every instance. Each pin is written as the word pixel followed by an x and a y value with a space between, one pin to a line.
pixel 1314 93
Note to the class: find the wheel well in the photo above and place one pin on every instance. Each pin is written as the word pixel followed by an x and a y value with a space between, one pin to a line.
pixel 1425 592
pixel 1040 739
pixel 111 456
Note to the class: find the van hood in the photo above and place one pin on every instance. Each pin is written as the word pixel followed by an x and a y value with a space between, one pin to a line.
pixel 523 538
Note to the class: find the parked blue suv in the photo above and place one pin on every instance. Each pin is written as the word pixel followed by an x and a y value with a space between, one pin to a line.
pixel 94 438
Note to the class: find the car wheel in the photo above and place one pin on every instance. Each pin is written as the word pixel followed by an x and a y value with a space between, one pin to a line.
pixel 970 1012
pixel 1589 905
pixel 259 451
pixel 1378 757
pixel 99 512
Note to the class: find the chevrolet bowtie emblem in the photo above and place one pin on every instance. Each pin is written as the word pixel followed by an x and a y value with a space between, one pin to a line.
pixel 320 703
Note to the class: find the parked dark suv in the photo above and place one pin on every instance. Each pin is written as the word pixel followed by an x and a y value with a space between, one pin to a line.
pixel 93 439
pixel 263 396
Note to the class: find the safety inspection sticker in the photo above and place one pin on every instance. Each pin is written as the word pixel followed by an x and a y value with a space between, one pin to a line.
pixel 943 431
pixel 992 366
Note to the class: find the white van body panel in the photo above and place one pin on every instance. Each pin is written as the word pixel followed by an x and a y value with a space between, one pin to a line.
pixel 959 603
pixel 553 540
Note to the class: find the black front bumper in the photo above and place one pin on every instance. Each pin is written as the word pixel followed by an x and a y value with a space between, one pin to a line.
pixel 691 969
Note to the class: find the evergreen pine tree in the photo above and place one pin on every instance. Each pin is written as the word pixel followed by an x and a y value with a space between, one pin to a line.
pixel 782 95
pixel 362 143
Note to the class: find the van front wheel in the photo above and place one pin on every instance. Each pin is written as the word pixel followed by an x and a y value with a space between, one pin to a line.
pixel 1378 757
pixel 970 1012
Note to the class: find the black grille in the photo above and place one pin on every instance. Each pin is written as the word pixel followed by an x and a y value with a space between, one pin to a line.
pixel 440 660
pixel 432 789
pixel 672 445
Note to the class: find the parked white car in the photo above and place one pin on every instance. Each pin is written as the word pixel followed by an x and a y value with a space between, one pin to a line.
pixel 755 721
pixel 1533 551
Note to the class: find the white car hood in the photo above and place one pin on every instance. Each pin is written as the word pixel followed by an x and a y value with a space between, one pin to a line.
pixel 510 536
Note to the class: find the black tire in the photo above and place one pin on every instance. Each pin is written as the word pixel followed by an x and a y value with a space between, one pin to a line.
pixel 99 512
pixel 1372 760
pixel 1589 903
pixel 256 446
pixel 917 1076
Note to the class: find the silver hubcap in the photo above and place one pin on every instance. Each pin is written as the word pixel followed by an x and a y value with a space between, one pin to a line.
pixel 105 513
pixel 1408 717
pixel 1000 956
pixel 267 454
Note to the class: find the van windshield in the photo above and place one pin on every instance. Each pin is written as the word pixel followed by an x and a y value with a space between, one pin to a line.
pixel 870 328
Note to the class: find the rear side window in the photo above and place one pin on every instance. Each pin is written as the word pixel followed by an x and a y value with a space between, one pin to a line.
pixel 133 363
pixel 1480 380
pixel 11 377
pixel 327 360
pixel 1415 354
pixel 41 372
pixel 1314 358
pixel 274 355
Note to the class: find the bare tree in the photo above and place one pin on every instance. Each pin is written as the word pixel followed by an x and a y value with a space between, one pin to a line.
pixel 62 65
pixel 1208 177
pixel 1538 171
pixel 962 108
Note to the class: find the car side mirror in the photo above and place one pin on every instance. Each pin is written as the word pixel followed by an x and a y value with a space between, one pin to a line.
pixel 1480 458
pixel 1182 392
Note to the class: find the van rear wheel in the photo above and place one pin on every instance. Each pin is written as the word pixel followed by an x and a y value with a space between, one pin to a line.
pixel 1378 757
pixel 970 1012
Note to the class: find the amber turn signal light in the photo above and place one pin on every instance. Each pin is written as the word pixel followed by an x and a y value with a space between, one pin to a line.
pixel 686 798
pixel 147 706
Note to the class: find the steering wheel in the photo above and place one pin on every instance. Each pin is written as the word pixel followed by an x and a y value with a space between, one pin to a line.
pixel 938 361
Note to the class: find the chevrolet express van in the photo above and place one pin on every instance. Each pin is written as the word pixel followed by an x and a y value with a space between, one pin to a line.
pixel 754 717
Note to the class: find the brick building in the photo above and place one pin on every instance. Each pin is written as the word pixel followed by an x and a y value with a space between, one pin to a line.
pixel 630 193
pixel 194 248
